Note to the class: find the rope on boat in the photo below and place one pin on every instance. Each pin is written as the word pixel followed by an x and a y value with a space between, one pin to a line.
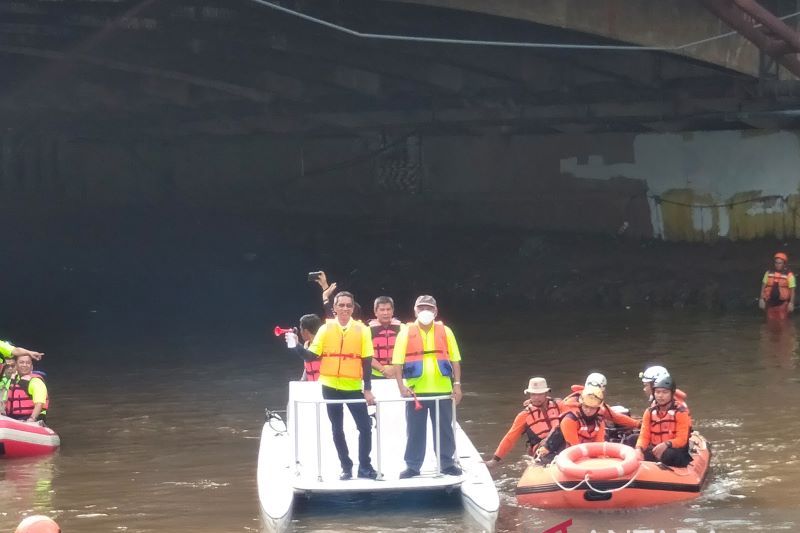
pixel 589 485
pixel 273 415
pixel 625 486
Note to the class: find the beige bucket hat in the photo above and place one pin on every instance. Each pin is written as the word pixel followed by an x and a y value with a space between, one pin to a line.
pixel 537 386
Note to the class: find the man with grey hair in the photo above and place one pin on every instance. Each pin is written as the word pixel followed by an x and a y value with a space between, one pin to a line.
pixel 431 365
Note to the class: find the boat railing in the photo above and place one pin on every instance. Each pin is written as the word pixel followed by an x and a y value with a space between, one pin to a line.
pixel 378 426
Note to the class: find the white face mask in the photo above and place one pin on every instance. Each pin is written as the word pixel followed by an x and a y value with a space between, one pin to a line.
pixel 425 317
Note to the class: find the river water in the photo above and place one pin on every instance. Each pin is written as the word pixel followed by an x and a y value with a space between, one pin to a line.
pixel 160 432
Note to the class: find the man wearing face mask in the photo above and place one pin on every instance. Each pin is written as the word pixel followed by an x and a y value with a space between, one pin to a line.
pixel 431 366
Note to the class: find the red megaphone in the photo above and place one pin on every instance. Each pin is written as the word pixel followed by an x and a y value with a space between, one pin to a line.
pixel 282 331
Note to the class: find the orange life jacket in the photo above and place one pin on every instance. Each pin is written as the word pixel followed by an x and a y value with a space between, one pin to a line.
pixel 664 428
pixel 312 369
pixel 540 422
pixel 383 339
pixel 415 351
pixel 588 428
pixel 781 279
pixel 19 404
pixel 341 353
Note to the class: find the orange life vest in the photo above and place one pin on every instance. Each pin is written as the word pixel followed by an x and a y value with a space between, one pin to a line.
pixel 341 352
pixel 540 422
pixel 383 339
pixel 415 351
pixel 312 369
pixel 588 428
pixel 664 428
pixel 19 404
pixel 781 279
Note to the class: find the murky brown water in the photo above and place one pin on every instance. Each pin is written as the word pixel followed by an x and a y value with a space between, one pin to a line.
pixel 163 437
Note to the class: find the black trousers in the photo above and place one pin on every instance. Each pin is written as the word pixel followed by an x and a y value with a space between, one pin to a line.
pixel 417 427
pixel 677 457
pixel 361 417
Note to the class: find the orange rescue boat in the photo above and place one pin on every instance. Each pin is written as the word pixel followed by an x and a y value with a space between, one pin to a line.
pixel 604 476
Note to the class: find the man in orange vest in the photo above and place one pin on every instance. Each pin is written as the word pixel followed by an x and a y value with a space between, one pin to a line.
pixel 431 365
pixel 541 414
pixel 584 423
pixel 309 325
pixel 384 329
pixel 777 289
pixel 344 347
pixel 665 428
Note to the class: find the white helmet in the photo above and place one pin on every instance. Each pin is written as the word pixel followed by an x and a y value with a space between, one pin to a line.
pixel 595 379
pixel 653 373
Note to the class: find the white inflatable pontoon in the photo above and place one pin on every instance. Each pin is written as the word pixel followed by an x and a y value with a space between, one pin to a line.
pixel 297 456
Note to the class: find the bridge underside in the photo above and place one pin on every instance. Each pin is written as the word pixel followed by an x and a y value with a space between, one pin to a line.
pixel 238 66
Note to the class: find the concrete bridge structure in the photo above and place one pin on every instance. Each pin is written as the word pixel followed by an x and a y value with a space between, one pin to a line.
pixel 674 119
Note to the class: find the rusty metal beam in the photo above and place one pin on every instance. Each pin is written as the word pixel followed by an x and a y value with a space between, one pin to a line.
pixel 730 12
pixel 771 22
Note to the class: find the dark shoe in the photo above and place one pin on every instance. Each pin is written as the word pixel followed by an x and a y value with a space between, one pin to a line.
pixel 345 475
pixel 407 473
pixel 367 473
pixel 452 470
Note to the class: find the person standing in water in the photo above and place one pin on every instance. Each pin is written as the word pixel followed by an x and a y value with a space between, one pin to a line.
pixel 777 289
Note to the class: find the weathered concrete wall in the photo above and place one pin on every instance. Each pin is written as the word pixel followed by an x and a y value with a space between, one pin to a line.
pixel 707 185
pixel 690 187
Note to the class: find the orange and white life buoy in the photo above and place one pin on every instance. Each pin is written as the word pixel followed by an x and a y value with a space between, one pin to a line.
pixel 567 461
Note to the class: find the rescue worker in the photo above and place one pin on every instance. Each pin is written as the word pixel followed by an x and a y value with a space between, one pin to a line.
pixel 665 428
pixel 651 375
pixel 580 424
pixel 309 325
pixel 777 289
pixel 344 346
pixel 431 364
pixel 598 380
pixel 27 397
pixel 540 416
pixel 8 350
pixel 384 329
pixel 8 371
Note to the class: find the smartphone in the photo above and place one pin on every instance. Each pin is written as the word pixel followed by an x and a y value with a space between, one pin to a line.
pixel 314 276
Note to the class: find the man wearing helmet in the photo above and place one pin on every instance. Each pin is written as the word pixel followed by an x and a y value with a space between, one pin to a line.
pixel 598 380
pixel 653 374
pixel 582 424
pixel 665 428
pixel 777 289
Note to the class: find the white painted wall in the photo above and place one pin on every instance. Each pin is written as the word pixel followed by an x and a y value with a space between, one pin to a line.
pixel 718 163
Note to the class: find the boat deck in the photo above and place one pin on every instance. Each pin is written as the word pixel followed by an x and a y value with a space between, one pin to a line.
pixel 298 456
pixel 316 464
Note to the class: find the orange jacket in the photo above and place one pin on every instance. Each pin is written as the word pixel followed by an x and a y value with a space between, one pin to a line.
pixel 671 425
pixel 577 431
pixel 522 422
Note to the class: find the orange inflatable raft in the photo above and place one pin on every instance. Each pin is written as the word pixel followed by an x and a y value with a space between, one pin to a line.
pixel 608 476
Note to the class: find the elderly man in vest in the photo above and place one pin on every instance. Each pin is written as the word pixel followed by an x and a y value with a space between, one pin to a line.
pixel 431 366
pixel 539 417
pixel 384 329
pixel 344 347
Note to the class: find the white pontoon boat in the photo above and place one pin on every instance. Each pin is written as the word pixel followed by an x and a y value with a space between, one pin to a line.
pixel 297 456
